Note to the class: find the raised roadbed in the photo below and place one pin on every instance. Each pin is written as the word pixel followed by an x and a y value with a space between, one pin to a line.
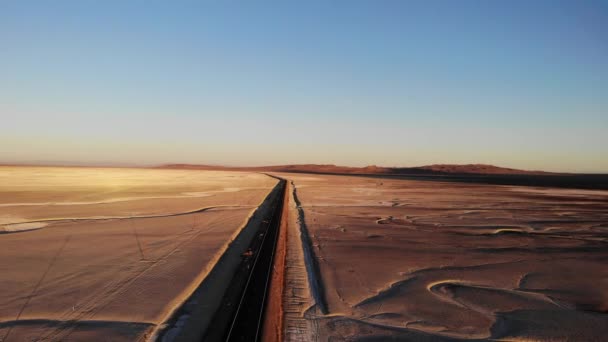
pixel 238 279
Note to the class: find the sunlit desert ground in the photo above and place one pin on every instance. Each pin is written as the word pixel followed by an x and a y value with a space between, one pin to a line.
pixel 415 260
pixel 108 254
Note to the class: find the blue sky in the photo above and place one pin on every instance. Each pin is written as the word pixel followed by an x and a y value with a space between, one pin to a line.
pixel 515 83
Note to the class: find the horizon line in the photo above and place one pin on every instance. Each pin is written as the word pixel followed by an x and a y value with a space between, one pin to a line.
pixel 109 164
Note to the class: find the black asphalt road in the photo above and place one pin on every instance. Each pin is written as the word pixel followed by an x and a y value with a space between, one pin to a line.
pixel 241 313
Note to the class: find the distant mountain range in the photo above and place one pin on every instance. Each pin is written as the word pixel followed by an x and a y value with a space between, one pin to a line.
pixel 467 173
pixel 435 169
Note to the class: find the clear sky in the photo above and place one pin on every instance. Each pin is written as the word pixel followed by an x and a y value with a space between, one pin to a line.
pixel 396 83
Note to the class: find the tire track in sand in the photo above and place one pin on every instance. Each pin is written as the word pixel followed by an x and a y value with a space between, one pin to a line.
pixel 38 284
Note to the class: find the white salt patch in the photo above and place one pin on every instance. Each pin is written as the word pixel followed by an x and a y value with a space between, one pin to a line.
pixel 10 219
pixel 20 227
pixel 113 200
pixel 197 194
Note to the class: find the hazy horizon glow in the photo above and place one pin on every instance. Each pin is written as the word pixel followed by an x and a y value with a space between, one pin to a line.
pixel 517 84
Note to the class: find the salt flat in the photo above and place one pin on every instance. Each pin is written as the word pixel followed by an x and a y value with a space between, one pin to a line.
pixel 109 253
pixel 420 260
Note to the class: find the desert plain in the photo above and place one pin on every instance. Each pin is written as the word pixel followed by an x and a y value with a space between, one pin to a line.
pixel 110 253
pixel 406 260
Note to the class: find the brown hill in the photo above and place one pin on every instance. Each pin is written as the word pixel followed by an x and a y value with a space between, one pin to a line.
pixel 481 169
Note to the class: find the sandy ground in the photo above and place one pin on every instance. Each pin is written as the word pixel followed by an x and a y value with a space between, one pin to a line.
pixel 110 253
pixel 415 260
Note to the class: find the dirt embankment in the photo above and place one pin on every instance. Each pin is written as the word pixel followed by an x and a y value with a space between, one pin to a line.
pixel 310 260
pixel 191 321
pixel 273 324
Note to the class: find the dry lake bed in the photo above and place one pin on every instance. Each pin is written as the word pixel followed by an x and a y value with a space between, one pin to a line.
pixel 420 260
pixel 108 254
pixel 111 254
